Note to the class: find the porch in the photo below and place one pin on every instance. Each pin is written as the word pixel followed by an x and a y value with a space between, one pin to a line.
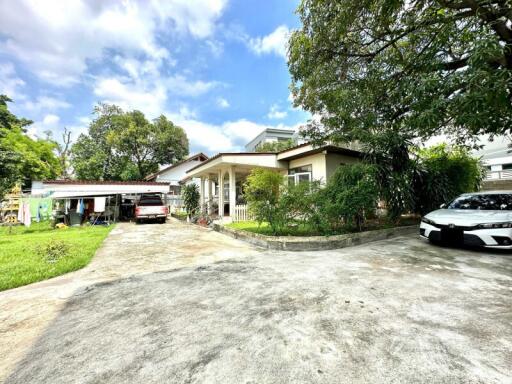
pixel 222 179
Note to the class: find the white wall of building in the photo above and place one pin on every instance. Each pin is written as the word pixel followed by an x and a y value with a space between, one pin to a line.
pixel 177 173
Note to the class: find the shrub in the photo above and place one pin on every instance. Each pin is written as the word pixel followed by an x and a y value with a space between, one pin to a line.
pixel 299 204
pixel 53 251
pixel 351 194
pixel 190 194
pixel 262 190
pixel 444 173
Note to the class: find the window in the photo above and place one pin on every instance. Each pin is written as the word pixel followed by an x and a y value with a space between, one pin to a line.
pixel 299 175
pixel 486 202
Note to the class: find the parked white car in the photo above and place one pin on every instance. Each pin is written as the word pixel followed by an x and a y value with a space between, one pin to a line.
pixel 476 219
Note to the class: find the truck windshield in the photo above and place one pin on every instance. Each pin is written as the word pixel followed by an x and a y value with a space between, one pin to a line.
pixel 490 202
pixel 148 201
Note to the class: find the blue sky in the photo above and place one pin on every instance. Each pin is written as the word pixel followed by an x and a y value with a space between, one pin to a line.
pixel 215 67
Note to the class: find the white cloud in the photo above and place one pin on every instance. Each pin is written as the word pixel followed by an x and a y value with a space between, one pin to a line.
pixel 222 103
pixel 50 122
pixel 276 42
pixel 56 39
pixel 149 98
pixel 275 113
pixel 180 85
pixel 10 83
pixel 228 136
pixel 45 104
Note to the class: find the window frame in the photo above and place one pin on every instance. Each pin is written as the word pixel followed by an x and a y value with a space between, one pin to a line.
pixel 295 176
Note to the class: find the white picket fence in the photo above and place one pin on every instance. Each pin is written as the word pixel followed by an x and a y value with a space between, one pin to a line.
pixel 241 213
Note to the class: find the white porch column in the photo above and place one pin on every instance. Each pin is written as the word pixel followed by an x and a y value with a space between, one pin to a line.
pixel 210 194
pixel 201 195
pixel 232 191
pixel 221 194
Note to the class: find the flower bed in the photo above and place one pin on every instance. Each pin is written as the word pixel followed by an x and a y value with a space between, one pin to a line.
pixel 314 243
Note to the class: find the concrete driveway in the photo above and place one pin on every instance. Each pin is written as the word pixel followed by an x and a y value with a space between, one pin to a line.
pixel 176 303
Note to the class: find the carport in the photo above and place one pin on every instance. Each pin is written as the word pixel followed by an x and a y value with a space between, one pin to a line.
pixel 79 200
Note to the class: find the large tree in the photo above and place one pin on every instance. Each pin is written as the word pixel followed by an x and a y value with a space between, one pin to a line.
pixel 23 158
pixel 126 146
pixel 406 69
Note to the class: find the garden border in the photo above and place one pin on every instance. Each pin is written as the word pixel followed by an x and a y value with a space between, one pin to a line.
pixel 315 243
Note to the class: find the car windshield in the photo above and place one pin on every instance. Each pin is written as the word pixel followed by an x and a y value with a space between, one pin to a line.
pixel 486 202
pixel 150 200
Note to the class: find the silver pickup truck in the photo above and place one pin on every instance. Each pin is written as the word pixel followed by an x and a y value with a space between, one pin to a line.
pixel 150 207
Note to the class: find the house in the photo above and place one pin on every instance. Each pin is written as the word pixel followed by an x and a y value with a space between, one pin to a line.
pixel 304 162
pixel 496 157
pixel 175 173
pixel 270 135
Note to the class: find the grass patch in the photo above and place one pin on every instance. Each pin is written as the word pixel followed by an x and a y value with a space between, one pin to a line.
pixel 264 229
pixel 39 252
pixel 305 230
pixel 180 215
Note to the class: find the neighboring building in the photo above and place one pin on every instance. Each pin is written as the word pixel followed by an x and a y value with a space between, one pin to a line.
pixel 174 173
pixel 270 135
pixel 496 156
pixel 300 163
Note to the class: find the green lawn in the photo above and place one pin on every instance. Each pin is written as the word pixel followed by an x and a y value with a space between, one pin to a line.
pixel 24 261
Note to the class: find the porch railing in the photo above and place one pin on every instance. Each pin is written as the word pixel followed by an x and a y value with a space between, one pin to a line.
pixel 242 213
pixel 497 175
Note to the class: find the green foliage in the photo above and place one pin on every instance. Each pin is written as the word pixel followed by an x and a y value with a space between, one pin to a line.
pixel 190 195
pixel 53 250
pixel 126 146
pixel 275 146
pixel 351 194
pixel 299 204
pixel 262 190
pixel 37 157
pixel 412 68
pixel 443 174
pixel 7 119
pixel 22 158
pixel 389 152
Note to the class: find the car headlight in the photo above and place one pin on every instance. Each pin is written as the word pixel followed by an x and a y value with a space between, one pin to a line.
pixel 507 224
pixel 428 221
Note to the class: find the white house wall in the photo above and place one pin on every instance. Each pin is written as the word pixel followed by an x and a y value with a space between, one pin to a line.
pixel 175 174
pixel 318 165
pixel 334 160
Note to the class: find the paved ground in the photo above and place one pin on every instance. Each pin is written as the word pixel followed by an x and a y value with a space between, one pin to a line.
pixel 198 307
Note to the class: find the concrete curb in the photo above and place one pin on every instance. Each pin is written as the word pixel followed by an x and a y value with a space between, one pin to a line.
pixel 315 243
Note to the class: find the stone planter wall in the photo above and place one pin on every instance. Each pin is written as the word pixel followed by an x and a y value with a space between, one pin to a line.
pixel 315 243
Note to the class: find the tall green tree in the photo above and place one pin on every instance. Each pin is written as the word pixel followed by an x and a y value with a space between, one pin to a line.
pixel 126 146
pixel 22 158
pixel 408 68
pixel 148 144
pixel 276 146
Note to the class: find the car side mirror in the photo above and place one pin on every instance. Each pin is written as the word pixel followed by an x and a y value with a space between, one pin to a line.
pixel 442 206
